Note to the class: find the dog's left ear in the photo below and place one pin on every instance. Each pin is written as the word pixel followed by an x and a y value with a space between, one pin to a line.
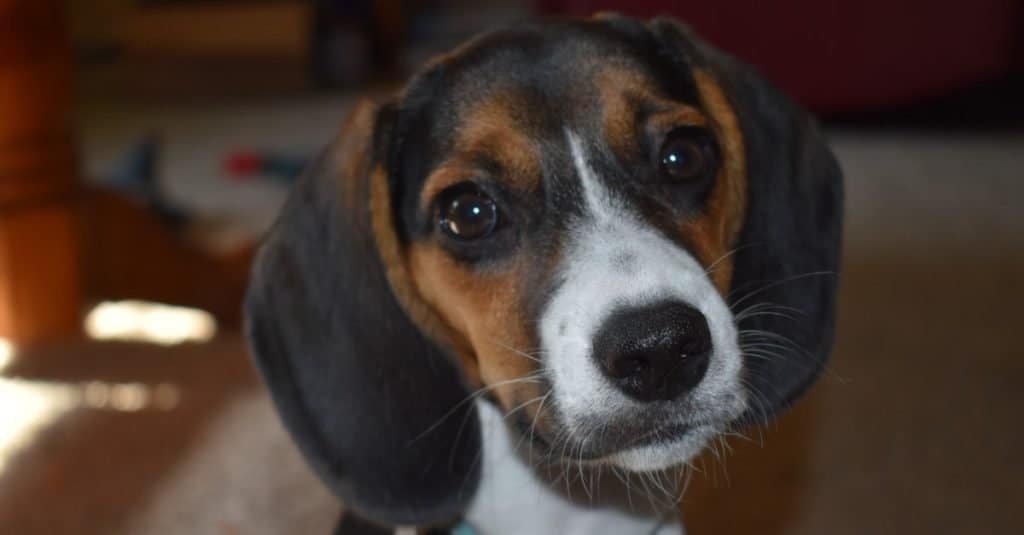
pixel 377 408
pixel 787 259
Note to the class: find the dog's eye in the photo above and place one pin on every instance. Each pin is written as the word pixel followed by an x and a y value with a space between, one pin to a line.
pixel 467 213
pixel 687 154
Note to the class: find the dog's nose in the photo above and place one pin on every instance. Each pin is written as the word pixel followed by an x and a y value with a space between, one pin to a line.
pixel 654 352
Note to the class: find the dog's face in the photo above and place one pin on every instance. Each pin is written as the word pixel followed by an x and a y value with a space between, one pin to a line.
pixel 603 225
pixel 566 203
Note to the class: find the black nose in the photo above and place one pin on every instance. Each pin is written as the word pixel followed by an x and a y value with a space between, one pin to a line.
pixel 655 352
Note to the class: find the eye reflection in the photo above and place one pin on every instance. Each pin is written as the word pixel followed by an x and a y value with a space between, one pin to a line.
pixel 468 214
pixel 686 155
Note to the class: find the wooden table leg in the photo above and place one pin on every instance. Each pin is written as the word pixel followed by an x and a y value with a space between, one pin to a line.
pixel 40 275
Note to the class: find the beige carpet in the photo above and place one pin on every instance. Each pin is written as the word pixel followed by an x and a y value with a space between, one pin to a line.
pixel 243 476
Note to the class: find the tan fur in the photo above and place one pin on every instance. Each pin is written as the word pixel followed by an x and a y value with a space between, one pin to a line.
pixel 404 286
pixel 419 277
pixel 484 308
pixel 477 315
pixel 622 90
pixel 714 235
pixel 351 150
pixel 488 131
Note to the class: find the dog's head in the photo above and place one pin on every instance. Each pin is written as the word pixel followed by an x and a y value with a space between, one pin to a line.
pixel 623 237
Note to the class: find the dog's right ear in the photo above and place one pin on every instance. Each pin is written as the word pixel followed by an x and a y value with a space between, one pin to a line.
pixel 377 408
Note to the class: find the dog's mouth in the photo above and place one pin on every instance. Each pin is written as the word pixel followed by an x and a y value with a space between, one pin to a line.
pixel 603 444
pixel 661 435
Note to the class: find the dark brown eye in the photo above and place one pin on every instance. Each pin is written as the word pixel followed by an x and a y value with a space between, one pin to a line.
pixel 467 213
pixel 688 154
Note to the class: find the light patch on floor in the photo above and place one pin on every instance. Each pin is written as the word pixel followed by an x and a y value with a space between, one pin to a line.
pixel 140 321
pixel 26 408
pixel 6 354
pixel 127 397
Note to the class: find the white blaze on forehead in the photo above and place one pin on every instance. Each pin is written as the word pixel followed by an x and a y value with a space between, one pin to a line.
pixel 598 200
pixel 615 259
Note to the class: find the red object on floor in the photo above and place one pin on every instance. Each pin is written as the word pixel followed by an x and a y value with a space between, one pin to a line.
pixel 849 55
pixel 243 164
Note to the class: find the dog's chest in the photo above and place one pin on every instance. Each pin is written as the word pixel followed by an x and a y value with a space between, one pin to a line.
pixel 512 498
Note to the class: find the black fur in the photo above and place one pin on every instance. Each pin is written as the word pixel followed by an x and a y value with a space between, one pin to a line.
pixel 375 406
pixel 355 381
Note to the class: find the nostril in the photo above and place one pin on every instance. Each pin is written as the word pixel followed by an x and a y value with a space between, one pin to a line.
pixel 655 352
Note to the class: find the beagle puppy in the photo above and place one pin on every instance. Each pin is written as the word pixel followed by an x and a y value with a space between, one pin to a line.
pixel 567 250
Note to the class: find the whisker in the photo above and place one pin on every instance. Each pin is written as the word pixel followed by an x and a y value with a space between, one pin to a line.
pixel 771 307
pixel 530 378
pixel 767 345
pixel 765 334
pixel 766 313
pixel 759 399
pixel 626 482
pixel 535 417
pixel 647 491
pixel 711 267
pixel 519 352
pixel 779 283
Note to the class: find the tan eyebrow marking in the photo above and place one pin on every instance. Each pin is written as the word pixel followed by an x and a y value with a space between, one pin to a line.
pixel 448 174
pixel 622 92
pixel 489 133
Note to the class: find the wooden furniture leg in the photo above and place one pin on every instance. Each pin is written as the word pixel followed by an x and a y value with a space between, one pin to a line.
pixel 40 276
pixel 64 245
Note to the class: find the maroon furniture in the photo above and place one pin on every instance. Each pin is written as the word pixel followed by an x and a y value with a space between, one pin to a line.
pixel 850 55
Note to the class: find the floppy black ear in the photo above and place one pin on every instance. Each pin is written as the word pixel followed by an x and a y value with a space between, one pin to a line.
pixel 374 405
pixel 787 260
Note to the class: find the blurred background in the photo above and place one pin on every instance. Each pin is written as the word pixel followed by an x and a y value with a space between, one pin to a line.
pixel 146 144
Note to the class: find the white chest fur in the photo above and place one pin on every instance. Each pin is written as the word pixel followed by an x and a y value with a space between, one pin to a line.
pixel 513 499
